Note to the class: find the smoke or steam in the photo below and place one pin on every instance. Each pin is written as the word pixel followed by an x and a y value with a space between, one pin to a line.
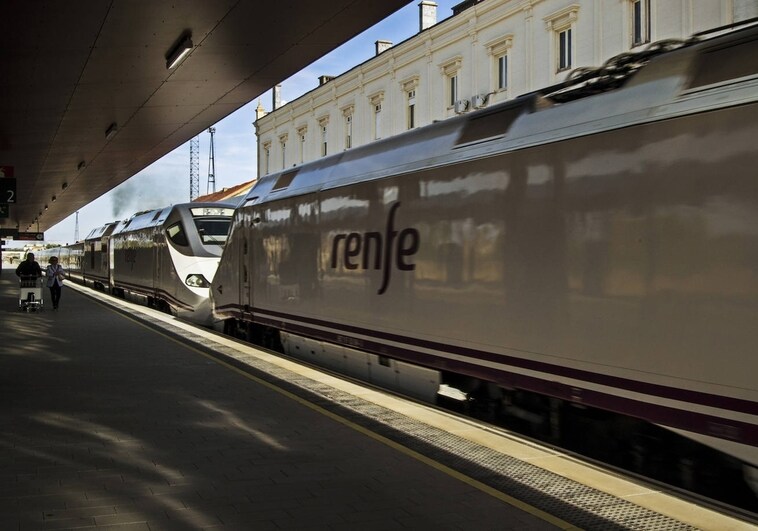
pixel 146 191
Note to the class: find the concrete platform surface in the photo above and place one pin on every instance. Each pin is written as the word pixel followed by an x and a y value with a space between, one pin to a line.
pixel 107 424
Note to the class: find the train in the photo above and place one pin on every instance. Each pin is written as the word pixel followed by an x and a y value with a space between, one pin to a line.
pixel 164 258
pixel 581 261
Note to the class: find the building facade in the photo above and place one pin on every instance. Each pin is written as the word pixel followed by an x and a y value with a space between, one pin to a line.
pixel 487 52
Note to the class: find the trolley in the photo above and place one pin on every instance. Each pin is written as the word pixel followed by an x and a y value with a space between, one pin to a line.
pixel 30 294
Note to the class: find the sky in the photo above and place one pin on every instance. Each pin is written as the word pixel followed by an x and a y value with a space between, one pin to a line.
pixel 166 181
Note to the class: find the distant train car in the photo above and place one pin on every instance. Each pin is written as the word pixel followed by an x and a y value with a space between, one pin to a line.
pixel 592 245
pixel 69 257
pixel 95 258
pixel 167 257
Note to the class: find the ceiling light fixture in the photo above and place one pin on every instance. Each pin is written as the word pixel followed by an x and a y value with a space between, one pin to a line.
pixel 64 186
pixel 54 198
pixel 82 164
pixel 45 207
pixel 179 52
pixel 109 133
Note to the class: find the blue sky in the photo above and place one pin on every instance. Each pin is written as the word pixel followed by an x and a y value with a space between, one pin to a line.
pixel 166 181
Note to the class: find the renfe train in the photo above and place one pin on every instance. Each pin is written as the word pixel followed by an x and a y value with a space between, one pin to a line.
pixel 582 260
pixel 164 258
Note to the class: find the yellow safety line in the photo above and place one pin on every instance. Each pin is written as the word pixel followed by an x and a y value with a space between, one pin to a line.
pixel 534 511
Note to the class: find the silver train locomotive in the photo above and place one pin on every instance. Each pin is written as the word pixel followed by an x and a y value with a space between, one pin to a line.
pixel 589 247
pixel 164 258
pixel 167 257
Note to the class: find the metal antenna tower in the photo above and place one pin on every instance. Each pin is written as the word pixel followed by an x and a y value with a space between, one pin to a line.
pixel 194 167
pixel 211 189
pixel 76 227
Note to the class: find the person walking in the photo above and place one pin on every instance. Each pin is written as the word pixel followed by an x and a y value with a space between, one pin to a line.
pixel 55 275
pixel 29 268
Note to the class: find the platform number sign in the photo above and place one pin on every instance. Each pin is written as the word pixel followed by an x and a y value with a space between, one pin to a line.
pixel 7 185
pixel 7 190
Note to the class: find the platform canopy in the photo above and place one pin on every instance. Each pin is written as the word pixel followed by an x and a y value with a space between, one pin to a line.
pixel 88 97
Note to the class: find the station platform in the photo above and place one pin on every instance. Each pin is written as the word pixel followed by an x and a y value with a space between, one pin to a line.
pixel 115 416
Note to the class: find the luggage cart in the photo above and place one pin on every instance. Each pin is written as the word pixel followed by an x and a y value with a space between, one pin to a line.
pixel 30 294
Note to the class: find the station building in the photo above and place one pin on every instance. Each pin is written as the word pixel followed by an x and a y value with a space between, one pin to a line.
pixel 487 52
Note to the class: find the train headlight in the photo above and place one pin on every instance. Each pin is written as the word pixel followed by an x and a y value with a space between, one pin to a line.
pixel 197 281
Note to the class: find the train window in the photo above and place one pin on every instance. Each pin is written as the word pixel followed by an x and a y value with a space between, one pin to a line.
pixel 284 180
pixel 726 63
pixel 177 235
pixel 213 231
pixel 488 125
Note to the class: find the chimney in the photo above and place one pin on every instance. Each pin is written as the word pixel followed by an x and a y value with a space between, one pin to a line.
pixel 427 14
pixel 322 80
pixel 260 112
pixel 382 46
pixel 276 97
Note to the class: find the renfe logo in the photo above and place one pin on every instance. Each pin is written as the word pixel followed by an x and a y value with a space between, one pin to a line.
pixel 404 244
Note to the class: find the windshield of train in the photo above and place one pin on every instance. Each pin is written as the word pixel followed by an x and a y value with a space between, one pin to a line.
pixel 212 224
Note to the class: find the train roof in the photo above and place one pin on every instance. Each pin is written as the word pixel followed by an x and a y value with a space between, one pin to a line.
pixel 102 231
pixel 629 89
pixel 154 218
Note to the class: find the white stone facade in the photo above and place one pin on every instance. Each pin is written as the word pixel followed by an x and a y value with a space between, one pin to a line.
pixel 492 51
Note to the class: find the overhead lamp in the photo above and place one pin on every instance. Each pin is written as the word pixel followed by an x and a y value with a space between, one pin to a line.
pixel 64 186
pixel 109 133
pixel 179 52
pixel 45 207
pixel 54 198
pixel 82 164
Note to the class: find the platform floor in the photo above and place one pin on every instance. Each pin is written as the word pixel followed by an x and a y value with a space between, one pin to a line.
pixel 114 416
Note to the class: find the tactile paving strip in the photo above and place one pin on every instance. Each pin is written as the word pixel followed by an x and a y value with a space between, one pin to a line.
pixel 577 504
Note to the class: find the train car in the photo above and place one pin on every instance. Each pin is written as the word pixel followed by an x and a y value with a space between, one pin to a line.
pixel 581 259
pixel 167 257
pixel 95 259
pixel 69 257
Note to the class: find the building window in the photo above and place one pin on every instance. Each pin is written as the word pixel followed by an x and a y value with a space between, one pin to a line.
pixel 301 135
pixel 562 24
pixel 502 72
pixel 640 22
pixel 409 86
pixel 376 105
pixel 451 70
pixel 499 50
pixel 452 89
pixel 564 49
pixel 266 158
pixel 283 144
pixel 377 121
pixel 411 112
pixel 323 123
pixel 347 115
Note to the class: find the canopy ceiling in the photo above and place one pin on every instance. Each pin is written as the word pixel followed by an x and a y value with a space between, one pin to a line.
pixel 74 70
